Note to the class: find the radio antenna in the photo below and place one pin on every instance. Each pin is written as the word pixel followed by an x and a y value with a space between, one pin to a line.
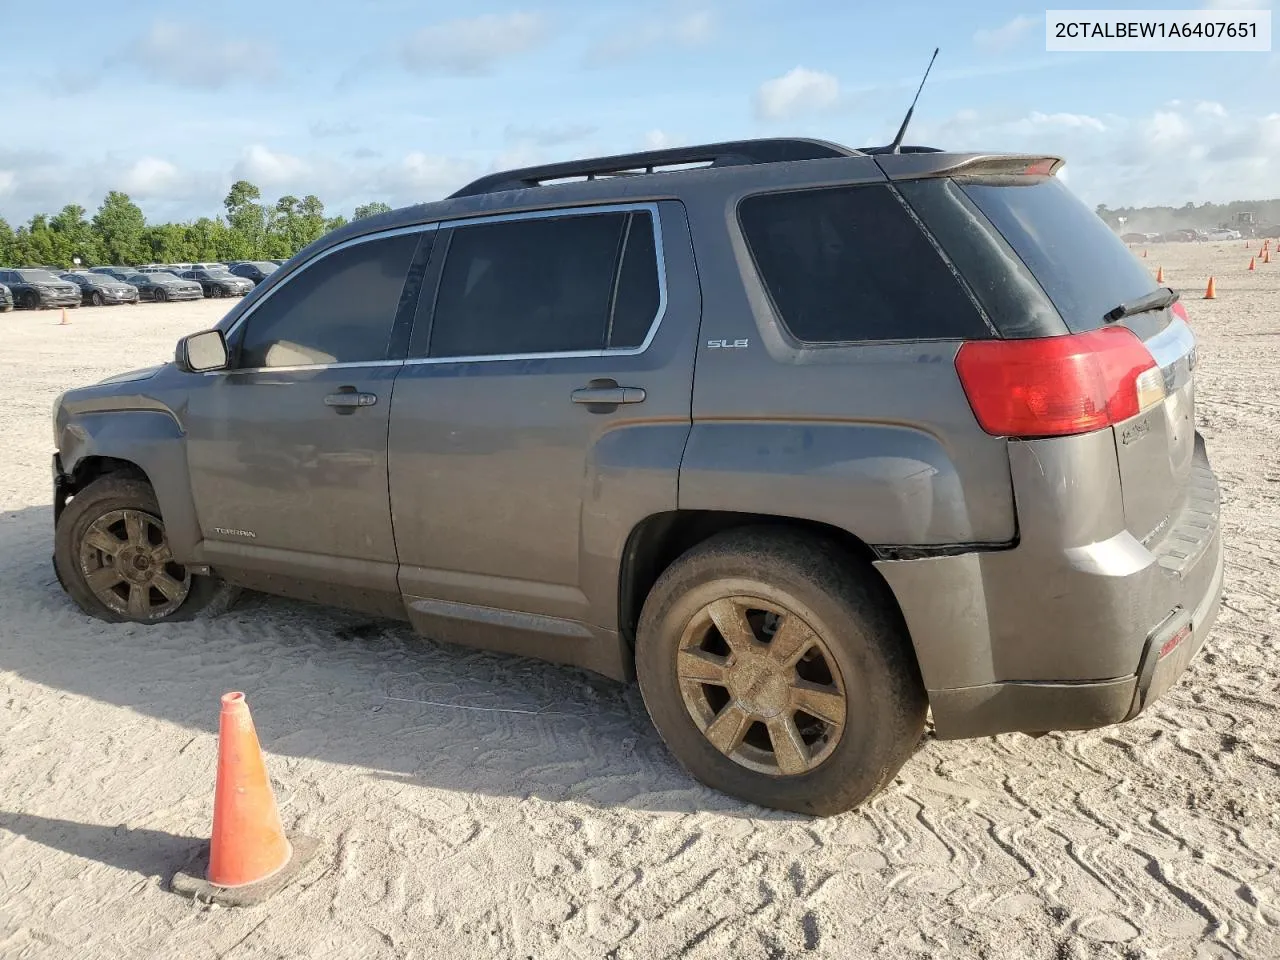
pixel 896 146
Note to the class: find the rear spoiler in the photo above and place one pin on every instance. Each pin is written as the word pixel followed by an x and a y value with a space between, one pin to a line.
pixel 912 166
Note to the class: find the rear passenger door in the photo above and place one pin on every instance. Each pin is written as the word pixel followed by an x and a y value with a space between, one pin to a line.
pixel 541 414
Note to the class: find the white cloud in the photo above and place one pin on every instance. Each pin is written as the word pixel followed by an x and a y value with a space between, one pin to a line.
pixel 1211 107
pixel 691 29
pixel 150 177
pixel 472 46
pixel 7 178
pixel 659 140
pixel 798 92
pixel 418 177
pixel 1165 128
pixel 1068 121
pixel 191 55
pixel 1006 36
pixel 267 168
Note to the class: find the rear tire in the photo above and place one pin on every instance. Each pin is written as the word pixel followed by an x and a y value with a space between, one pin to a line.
pixel 855 645
pixel 103 512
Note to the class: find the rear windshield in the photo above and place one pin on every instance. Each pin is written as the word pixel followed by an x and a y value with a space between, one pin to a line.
pixel 1083 266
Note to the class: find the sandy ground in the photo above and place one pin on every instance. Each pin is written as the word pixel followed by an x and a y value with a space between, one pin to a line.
pixel 473 805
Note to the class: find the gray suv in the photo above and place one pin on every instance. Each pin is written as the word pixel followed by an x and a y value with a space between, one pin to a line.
pixel 810 440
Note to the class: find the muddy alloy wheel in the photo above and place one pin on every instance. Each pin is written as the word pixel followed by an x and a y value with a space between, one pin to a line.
pixel 761 686
pixel 127 564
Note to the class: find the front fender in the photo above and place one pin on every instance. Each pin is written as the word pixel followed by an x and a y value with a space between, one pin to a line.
pixel 150 438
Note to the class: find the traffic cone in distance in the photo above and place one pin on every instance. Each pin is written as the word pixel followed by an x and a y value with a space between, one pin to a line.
pixel 1266 255
pixel 1144 254
pixel 1251 264
pixel 1211 291
pixel 250 858
pixel 63 322
pixel 1159 274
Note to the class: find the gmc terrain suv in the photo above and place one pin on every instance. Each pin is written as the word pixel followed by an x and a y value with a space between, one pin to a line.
pixel 811 440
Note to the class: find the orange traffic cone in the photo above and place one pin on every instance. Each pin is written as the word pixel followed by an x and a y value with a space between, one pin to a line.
pixel 64 321
pixel 248 841
pixel 1266 254
pixel 1211 291
pixel 1251 264
pixel 1144 254
pixel 250 857
pixel 1159 274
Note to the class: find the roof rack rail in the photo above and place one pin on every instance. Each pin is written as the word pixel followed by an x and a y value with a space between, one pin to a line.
pixel 729 154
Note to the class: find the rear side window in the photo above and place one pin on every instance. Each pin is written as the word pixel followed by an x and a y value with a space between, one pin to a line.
pixel 547 285
pixel 338 310
pixel 1079 261
pixel 850 264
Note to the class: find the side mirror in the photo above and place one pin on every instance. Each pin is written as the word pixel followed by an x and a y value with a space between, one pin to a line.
pixel 202 351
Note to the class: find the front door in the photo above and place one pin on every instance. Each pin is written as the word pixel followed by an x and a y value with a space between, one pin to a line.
pixel 542 413
pixel 288 448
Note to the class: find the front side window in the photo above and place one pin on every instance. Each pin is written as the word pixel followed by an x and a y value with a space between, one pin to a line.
pixel 849 264
pixel 338 310
pixel 581 283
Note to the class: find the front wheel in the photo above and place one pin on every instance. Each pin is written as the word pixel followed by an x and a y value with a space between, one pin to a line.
pixel 114 560
pixel 160 296
pixel 778 669
pixel 97 299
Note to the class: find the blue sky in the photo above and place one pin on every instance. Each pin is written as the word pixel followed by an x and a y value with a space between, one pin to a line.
pixel 402 101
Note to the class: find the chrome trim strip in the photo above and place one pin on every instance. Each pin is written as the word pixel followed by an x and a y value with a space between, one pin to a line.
pixel 305 366
pixel 659 253
pixel 573 211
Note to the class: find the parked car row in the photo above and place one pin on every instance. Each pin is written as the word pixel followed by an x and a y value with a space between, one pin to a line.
pixel 44 287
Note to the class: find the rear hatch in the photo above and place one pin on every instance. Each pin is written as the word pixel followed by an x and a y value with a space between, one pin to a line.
pixel 1048 237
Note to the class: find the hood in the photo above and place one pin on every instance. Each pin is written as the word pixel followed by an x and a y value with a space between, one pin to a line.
pixel 144 374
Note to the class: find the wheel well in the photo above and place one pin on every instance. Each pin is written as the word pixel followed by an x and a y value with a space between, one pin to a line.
pixel 88 470
pixel 658 540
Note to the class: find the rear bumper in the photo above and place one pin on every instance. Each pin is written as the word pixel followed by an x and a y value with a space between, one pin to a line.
pixel 1038 707
pixel 1078 626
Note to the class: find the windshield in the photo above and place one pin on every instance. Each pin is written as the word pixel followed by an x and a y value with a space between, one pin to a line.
pixel 37 276
pixel 1083 266
pixel 220 273
pixel 265 267
pixel 162 277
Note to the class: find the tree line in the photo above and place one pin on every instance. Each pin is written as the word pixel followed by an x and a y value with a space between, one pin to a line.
pixel 119 233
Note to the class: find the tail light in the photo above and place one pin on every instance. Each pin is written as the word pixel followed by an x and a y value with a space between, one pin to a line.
pixel 1058 386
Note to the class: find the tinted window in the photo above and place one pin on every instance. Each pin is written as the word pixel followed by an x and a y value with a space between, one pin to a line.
pixel 636 303
pixel 339 310
pixel 850 263
pixel 1083 266
pixel 547 285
